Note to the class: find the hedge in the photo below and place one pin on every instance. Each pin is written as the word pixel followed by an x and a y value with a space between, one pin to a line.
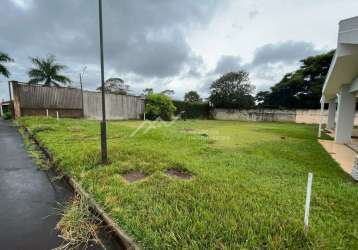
pixel 192 110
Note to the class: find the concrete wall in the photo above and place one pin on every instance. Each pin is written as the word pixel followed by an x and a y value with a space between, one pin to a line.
pixel 118 107
pixel 255 115
pixel 311 116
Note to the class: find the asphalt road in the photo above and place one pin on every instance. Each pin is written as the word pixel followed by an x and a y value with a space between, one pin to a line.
pixel 27 197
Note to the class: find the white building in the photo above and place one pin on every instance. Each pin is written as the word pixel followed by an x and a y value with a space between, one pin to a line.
pixel 341 86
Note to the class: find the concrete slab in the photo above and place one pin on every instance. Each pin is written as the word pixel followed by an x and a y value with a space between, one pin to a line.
pixel 341 153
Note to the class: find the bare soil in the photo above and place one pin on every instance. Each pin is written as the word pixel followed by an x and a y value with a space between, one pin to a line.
pixel 133 176
pixel 179 173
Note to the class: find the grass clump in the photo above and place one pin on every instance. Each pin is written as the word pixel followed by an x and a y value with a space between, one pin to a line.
pixel 41 128
pixel 40 160
pixel 77 227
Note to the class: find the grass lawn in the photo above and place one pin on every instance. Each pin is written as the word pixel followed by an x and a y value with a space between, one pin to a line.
pixel 247 188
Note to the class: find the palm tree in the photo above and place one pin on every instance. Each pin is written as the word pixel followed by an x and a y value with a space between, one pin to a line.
pixel 4 58
pixel 46 71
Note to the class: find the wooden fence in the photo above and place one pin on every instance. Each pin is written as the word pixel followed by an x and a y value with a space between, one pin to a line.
pixel 35 100
pixel 71 102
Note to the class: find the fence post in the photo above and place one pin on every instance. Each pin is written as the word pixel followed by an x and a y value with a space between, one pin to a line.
pixel 58 117
pixel 46 112
pixel 308 201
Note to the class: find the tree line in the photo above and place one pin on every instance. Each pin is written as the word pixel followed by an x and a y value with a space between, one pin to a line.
pixel 300 89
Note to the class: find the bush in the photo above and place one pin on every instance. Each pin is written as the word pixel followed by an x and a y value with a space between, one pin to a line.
pixel 7 115
pixel 192 110
pixel 159 105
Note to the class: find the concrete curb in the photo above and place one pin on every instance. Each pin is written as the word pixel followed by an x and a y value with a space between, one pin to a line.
pixel 127 241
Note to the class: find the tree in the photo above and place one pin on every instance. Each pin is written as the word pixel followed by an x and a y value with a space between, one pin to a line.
pixel 303 87
pixel 47 72
pixel 192 96
pixel 261 99
pixel 4 58
pixel 148 91
pixel 115 86
pixel 232 91
pixel 168 92
pixel 159 105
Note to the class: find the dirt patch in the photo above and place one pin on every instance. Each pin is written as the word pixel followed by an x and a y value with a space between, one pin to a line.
pixel 133 176
pixel 188 129
pixel 182 174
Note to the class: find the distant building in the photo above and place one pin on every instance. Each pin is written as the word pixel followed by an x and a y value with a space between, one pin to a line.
pixel 4 107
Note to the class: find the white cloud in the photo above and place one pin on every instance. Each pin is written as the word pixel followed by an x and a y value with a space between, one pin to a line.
pixel 170 44
pixel 23 4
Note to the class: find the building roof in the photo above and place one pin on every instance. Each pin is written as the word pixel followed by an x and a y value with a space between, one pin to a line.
pixel 344 66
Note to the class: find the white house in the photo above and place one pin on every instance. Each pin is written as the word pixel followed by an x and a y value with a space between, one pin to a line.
pixel 341 86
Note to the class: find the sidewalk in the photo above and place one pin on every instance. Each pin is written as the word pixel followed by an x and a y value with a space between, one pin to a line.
pixel 344 155
pixel 27 197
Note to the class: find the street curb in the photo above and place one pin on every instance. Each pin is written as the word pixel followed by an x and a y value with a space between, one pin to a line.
pixel 127 241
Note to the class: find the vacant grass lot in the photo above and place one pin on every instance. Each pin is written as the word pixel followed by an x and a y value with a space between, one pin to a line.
pixel 247 190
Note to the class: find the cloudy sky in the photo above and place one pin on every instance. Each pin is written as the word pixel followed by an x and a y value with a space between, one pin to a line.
pixel 170 44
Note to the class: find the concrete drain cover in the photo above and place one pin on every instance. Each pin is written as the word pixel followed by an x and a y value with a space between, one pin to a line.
pixel 182 174
pixel 133 176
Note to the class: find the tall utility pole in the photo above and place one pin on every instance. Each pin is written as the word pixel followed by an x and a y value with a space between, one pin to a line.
pixel 103 123
pixel 81 76
pixel 12 108
pixel 10 97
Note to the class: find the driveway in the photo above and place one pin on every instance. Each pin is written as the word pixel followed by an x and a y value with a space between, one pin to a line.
pixel 27 197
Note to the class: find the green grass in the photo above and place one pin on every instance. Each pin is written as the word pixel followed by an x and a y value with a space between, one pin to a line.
pixel 247 191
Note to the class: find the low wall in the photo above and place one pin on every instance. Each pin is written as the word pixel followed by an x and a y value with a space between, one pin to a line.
pixel 71 113
pixel 310 116
pixel 255 115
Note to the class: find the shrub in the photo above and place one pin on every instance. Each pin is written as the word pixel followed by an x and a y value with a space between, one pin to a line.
pixel 193 110
pixel 7 115
pixel 159 105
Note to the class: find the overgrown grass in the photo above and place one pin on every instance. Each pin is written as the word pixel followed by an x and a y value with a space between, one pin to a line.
pixel 40 160
pixel 247 189
pixel 77 227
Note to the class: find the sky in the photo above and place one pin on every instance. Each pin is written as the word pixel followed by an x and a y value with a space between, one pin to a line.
pixel 169 44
